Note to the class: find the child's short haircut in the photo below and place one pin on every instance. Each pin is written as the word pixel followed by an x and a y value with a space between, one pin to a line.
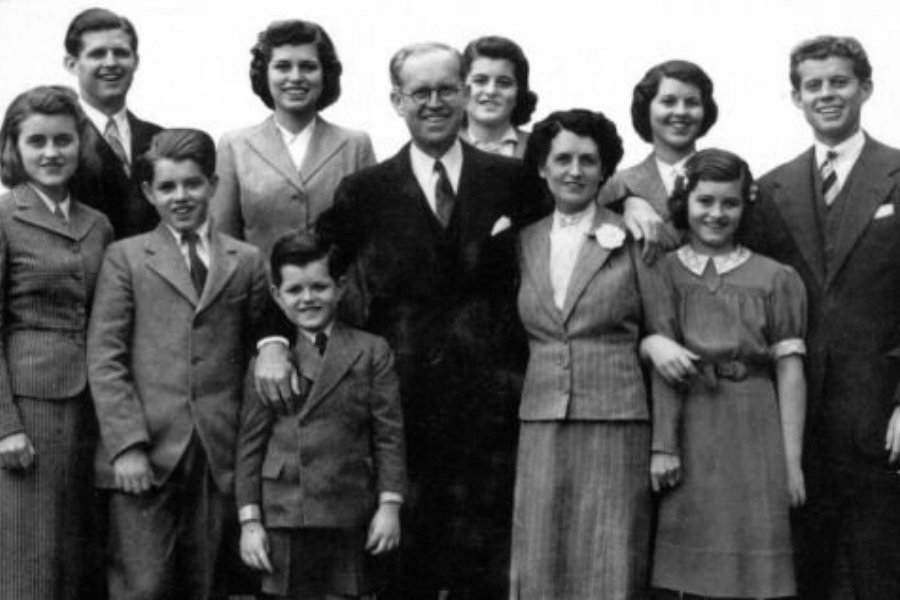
pixel 300 249
pixel 178 145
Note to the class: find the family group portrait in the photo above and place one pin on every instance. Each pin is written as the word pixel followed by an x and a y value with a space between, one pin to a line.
pixel 474 301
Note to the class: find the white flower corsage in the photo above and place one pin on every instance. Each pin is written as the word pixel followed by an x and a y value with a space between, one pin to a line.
pixel 609 236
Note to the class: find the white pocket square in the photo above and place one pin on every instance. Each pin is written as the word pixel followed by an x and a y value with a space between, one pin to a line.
pixel 502 224
pixel 885 210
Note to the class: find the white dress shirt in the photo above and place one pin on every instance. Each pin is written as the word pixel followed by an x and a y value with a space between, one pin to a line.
pixel 297 143
pixel 423 170
pixel 669 173
pixel 100 119
pixel 847 151
pixel 202 244
pixel 567 235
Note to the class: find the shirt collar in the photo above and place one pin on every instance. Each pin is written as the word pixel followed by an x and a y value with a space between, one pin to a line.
pixel 847 151
pixel 670 172
pixel 423 164
pixel 580 221
pixel 202 233
pixel 100 119
pixel 696 262
pixel 312 336
pixel 290 137
pixel 506 144
pixel 64 205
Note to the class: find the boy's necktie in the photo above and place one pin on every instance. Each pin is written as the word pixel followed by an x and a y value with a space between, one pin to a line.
pixel 321 342
pixel 198 269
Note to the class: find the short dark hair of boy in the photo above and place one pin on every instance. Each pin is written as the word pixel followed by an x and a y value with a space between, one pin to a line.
pixel 178 145
pixel 713 164
pixel 827 46
pixel 299 249
pixel 96 19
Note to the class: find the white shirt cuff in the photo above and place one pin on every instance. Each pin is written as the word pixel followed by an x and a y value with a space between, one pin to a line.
pixel 394 497
pixel 272 339
pixel 248 513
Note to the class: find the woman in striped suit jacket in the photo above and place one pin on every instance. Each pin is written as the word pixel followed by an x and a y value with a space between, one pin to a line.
pixel 581 523
pixel 51 246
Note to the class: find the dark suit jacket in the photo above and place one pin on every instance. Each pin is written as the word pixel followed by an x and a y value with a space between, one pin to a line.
pixel 102 181
pixel 325 465
pixel 262 196
pixel 854 312
pixel 48 272
pixel 163 363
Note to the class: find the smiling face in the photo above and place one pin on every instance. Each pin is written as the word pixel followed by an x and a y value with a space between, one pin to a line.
pixel 105 68
pixel 308 295
pixel 433 125
pixel 831 97
pixel 48 147
pixel 296 79
pixel 676 115
pixel 572 171
pixel 714 210
pixel 180 192
pixel 492 91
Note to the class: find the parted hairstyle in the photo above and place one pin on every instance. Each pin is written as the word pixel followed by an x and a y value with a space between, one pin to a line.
pixel 299 249
pixel 42 100
pixel 96 19
pixel 178 145
pixel 647 88
pixel 826 46
pixel 295 33
pixel 714 164
pixel 400 56
pixel 581 122
pixel 501 48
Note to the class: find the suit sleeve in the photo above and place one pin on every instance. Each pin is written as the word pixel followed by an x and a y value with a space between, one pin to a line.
pixel 613 192
pixel 10 420
pixel 253 437
pixel 120 412
pixel 387 422
pixel 226 205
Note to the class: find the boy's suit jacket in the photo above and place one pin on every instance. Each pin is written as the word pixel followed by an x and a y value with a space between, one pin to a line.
pixel 325 465
pixel 262 196
pixel 584 362
pixel 164 363
pixel 48 271
pixel 102 182
pixel 854 296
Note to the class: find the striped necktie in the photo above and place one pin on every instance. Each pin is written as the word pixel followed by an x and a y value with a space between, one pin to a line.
pixel 830 187
pixel 114 139
pixel 444 197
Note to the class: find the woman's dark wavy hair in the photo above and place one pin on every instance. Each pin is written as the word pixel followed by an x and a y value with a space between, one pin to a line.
pixel 41 100
pixel 713 164
pixel 581 122
pixel 295 33
pixel 647 88
pixel 501 48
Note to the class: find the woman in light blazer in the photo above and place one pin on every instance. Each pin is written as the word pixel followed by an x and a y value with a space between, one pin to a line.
pixel 581 522
pixel 51 246
pixel 279 175
pixel 672 107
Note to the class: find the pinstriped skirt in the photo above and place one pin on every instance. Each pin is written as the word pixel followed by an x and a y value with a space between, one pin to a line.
pixel 42 509
pixel 581 522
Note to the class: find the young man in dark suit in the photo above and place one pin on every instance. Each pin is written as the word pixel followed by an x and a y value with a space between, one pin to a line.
pixel 833 213
pixel 101 52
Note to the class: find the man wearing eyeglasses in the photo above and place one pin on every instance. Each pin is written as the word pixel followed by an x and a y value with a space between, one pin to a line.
pixel 432 230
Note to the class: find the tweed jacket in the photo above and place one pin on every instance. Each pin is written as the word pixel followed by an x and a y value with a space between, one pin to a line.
pixel 325 464
pixel 48 271
pixel 853 284
pixel 261 195
pixel 102 182
pixel 165 364
pixel 584 362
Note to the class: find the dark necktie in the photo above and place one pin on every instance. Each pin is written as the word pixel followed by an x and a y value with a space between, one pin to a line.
pixel 321 342
pixel 114 139
pixel 830 188
pixel 198 269
pixel 444 198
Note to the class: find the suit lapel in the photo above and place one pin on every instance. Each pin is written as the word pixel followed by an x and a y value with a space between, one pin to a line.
pixel 165 258
pixel 31 209
pixel 338 358
pixel 266 141
pixel 80 221
pixel 223 265
pixel 536 257
pixel 795 196
pixel 590 260
pixel 868 186
pixel 323 146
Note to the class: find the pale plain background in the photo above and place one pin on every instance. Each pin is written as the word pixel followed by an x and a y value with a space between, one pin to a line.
pixel 194 57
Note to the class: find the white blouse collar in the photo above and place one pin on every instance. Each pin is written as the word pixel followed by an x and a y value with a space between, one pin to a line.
pixel 696 262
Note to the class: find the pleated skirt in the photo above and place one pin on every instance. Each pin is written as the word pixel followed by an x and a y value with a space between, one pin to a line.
pixel 42 545
pixel 581 522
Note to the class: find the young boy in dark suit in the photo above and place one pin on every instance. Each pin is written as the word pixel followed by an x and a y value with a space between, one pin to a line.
pixel 168 347
pixel 320 488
